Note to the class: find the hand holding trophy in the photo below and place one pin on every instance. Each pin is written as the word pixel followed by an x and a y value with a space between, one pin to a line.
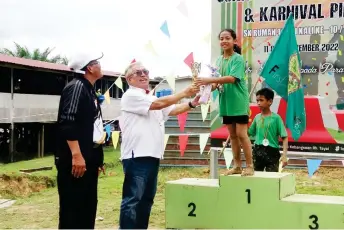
pixel 196 69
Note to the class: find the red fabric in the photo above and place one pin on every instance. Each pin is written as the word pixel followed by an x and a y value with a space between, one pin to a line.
pixel 183 140
pixel 340 118
pixel 133 61
pixel 182 120
pixel 315 130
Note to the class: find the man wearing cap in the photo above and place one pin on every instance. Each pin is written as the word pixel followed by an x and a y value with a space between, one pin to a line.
pixel 79 155
pixel 143 131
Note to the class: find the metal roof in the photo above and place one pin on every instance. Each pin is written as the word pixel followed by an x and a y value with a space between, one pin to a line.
pixel 44 65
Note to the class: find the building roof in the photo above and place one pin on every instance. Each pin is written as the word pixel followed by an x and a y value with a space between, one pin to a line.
pixel 44 65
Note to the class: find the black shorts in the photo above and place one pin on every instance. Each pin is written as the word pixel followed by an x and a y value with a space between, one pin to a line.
pixel 265 157
pixel 242 119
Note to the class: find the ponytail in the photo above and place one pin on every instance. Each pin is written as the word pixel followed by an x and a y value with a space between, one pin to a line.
pixel 237 49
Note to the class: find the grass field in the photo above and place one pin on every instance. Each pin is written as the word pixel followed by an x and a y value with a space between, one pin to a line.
pixel 37 199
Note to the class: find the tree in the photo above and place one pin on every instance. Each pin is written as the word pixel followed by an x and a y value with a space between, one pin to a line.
pixel 24 52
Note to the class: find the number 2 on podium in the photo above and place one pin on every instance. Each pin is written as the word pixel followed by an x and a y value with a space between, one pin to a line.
pixel 248 191
pixel 193 209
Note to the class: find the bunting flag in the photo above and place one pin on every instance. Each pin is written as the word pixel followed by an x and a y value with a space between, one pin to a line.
pixel 183 140
pixel 115 138
pixel 171 80
pixel 228 155
pixel 119 83
pixel 215 93
pixel 189 60
pixel 313 165
pixel 204 110
pixel 203 139
pixel 107 96
pixel 133 61
pixel 280 166
pixel 183 8
pixel 150 48
pixel 206 38
pixel 108 131
pixel 164 29
pixel 167 136
pixel 182 120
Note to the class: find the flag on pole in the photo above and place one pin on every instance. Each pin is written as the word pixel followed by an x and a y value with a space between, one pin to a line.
pixel 282 72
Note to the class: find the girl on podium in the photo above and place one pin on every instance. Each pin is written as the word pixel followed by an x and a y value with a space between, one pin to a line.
pixel 233 99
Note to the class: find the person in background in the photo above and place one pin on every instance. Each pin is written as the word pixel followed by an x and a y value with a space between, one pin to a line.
pixel 233 99
pixel 142 125
pixel 266 128
pixel 78 159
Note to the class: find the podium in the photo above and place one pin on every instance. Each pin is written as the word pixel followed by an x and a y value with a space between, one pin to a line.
pixel 266 200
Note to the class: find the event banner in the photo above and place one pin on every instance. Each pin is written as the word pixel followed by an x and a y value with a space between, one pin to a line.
pixel 320 37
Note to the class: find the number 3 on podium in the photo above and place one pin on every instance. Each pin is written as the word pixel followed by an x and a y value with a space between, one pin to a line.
pixel 315 224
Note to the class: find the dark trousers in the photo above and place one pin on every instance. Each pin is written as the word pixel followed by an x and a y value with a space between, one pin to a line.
pixel 265 157
pixel 78 199
pixel 139 188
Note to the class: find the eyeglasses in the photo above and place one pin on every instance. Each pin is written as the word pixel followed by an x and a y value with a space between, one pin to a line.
pixel 141 72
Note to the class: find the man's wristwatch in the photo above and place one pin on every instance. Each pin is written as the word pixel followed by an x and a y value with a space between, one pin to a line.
pixel 191 106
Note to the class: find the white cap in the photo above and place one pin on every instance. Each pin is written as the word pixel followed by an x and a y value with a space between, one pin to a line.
pixel 80 61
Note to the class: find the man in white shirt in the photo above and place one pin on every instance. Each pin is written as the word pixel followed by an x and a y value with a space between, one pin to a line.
pixel 142 125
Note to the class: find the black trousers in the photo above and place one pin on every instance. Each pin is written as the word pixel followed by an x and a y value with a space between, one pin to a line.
pixel 265 157
pixel 78 198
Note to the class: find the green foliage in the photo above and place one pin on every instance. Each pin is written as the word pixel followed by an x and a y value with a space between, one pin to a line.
pixel 36 54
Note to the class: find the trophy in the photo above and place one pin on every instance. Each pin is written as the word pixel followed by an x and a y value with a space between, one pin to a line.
pixel 205 90
pixel 195 69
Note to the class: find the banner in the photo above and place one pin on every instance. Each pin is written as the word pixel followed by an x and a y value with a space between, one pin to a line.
pixel 320 37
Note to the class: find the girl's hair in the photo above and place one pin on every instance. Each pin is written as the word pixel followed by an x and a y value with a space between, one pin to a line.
pixel 236 48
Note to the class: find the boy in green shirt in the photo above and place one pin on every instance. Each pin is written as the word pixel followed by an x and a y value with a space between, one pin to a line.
pixel 266 128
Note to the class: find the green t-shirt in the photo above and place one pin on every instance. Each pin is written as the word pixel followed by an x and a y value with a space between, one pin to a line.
pixel 234 100
pixel 270 126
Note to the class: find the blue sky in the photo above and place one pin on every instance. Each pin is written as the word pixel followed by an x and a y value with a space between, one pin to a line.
pixel 118 28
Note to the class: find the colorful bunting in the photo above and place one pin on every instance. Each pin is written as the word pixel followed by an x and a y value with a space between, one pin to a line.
pixel 167 136
pixel 228 155
pixel 164 29
pixel 204 110
pixel 150 48
pixel 107 96
pixel 183 140
pixel 280 166
pixel 189 60
pixel 171 80
pixel 203 139
pixel 215 94
pixel 133 61
pixel 183 8
pixel 182 120
pixel 108 131
pixel 119 83
pixel 115 138
pixel 313 165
